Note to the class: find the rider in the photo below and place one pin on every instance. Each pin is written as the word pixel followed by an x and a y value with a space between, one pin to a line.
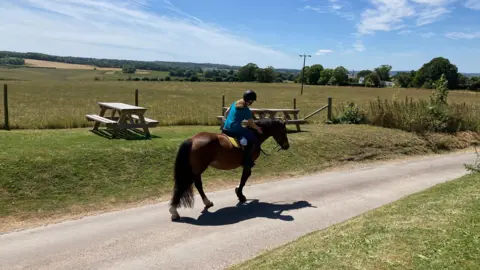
pixel 235 114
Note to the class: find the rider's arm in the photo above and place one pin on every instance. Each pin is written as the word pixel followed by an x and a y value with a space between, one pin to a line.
pixel 226 112
pixel 252 124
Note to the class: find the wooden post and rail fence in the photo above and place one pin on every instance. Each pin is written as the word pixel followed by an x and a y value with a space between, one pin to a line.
pixel 288 114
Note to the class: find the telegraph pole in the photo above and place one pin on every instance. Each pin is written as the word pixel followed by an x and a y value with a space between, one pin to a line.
pixel 303 69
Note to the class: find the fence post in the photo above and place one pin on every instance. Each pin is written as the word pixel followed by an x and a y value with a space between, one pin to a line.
pixel 5 105
pixel 223 104
pixel 294 103
pixel 329 110
pixel 136 97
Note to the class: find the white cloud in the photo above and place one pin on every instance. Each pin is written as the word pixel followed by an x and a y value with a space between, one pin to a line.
pixel 358 46
pixel 434 2
pixel 336 7
pixel 323 51
pixel 386 15
pixel 462 35
pixel 127 30
pixel 473 4
pixel 427 35
pixel 428 16
pixel 389 15
pixel 405 32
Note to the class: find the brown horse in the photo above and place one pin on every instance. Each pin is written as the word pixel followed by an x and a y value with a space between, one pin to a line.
pixel 206 149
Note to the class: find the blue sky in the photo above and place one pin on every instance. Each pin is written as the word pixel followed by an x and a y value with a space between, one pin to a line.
pixel 361 34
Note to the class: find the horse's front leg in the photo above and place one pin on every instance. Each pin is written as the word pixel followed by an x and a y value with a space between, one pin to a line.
pixel 239 190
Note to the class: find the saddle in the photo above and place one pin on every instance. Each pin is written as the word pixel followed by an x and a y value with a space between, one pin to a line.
pixel 234 141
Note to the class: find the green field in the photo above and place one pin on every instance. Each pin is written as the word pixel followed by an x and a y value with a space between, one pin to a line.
pixel 49 98
pixel 435 229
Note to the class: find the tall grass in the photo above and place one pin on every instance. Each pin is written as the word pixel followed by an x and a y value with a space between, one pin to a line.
pixel 415 115
pixel 48 98
pixel 418 116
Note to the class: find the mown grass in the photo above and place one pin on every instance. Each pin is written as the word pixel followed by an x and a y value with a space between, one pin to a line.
pixel 61 98
pixel 48 173
pixel 435 229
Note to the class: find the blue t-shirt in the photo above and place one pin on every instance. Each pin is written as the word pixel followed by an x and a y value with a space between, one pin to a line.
pixel 236 116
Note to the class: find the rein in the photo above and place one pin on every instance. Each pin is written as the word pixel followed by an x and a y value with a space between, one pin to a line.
pixel 279 148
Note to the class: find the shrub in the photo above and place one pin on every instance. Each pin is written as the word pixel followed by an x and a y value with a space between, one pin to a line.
pixel 350 114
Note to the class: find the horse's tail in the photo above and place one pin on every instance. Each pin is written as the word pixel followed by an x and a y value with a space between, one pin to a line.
pixel 183 176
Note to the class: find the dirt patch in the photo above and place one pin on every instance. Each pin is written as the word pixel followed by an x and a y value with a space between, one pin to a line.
pixel 142 72
pixel 59 65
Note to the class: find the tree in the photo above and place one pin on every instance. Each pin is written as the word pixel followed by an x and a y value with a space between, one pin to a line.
pixel 247 73
pixel 383 72
pixel 373 79
pixel 404 79
pixel 341 75
pixel 265 75
pixel 433 70
pixel 363 73
pixel 313 74
pixel 325 76
pixel 128 68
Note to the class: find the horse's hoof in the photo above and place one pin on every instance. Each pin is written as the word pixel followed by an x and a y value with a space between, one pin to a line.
pixel 241 197
pixel 175 217
pixel 208 205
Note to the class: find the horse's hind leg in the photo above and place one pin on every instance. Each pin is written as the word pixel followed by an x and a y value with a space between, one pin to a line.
pixel 199 186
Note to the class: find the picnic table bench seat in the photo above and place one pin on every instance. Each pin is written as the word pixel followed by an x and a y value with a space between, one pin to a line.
pixel 98 118
pixel 129 117
pixel 148 120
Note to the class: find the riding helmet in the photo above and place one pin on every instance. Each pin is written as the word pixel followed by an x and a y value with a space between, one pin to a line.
pixel 249 95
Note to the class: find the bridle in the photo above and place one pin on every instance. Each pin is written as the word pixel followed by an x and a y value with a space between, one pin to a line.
pixel 279 148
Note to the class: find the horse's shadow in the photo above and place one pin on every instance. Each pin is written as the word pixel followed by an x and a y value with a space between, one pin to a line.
pixel 246 211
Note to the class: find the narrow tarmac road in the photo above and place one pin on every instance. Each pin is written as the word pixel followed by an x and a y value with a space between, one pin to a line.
pixel 145 238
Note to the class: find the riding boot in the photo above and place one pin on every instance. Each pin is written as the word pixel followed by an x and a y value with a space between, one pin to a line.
pixel 248 156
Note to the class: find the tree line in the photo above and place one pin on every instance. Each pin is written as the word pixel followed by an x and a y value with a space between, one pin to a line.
pixel 316 74
pixel 113 63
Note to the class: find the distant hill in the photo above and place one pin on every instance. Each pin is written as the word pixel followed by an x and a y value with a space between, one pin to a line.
pixel 116 63
pixel 148 65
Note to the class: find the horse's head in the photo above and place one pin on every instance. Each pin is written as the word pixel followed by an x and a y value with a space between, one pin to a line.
pixel 277 129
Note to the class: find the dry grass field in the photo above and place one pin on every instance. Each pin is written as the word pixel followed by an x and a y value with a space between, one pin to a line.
pixel 49 64
pixel 43 98
pixel 60 98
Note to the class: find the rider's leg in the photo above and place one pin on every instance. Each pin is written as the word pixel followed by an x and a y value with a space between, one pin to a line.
pixel 248 153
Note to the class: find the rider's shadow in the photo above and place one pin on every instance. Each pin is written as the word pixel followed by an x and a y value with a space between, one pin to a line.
pixel 242 212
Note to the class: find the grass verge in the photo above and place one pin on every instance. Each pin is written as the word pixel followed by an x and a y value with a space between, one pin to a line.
pixel 47 174
pixel 434 229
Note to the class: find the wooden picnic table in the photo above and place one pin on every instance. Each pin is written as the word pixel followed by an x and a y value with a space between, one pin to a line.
pixel 129 117
pixel 289 115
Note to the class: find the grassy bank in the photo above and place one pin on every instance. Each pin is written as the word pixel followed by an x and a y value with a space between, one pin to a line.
pixel 56 172
pixel 434 229
pixel 61 98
